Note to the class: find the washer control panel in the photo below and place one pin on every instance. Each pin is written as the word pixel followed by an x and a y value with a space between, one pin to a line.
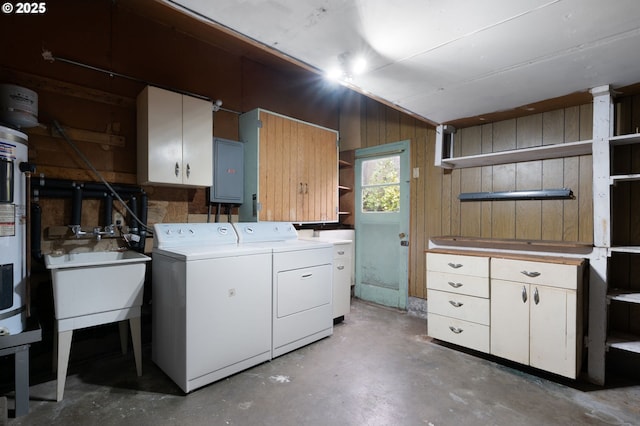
pixel 184 234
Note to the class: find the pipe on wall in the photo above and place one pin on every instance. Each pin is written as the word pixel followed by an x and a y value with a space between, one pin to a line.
pixel 59 188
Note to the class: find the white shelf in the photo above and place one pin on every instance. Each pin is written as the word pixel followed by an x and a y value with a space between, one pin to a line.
pixel 613 179
pixel 625 139
pixel 561 150
pixel 628 296
pixel 624 342
pixel 624 249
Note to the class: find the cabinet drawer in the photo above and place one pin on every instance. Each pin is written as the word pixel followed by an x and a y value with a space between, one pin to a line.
pixel 459 306
pixel 458 264
pixel 463 333
pixel 341 250
pixel 548 274
pixel 459 284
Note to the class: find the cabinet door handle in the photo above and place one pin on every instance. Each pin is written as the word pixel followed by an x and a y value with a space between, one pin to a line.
pixel 524 294
pixel 530 274
pixel 306 188
pixel 177 169
pixel 455 304
pixel 455 329
pixel 188 170
pixel 341 252
pixel 340 268
pixel 455 265
pixel 454 285
pixel 300 191
pixel 536 296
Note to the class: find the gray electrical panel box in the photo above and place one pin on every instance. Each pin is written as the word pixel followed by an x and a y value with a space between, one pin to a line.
pixel 228 172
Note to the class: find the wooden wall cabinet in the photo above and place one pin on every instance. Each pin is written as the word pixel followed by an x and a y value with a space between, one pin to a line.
pixel 527 311
pixel 291 169
pixel 175 139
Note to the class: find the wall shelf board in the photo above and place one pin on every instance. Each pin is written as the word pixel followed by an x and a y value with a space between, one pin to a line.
pixel 624 249
pixel 625 139
pixel 561 150
pixel 625 342
pixel 628 296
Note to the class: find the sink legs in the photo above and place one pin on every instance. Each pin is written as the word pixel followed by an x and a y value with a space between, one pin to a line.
pixel 62 349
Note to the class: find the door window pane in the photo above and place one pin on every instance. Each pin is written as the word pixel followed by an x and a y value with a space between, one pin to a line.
pixel 381 185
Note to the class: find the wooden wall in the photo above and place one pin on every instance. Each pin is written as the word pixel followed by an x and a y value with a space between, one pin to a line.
pixel 111 36
pixel 435 208
pixel 554 220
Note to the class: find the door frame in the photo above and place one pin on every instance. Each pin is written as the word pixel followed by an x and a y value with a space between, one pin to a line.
pixel 403 148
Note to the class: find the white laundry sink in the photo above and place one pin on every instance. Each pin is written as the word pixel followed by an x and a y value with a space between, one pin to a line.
pixel 94 288
pixel 94 282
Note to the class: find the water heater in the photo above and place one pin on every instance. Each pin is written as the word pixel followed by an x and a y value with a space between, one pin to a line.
pixel 13 282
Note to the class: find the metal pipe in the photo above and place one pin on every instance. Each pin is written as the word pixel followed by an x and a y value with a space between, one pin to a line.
pixel 48 56
pixel 108 210
pixel 36 231
pixel 76 206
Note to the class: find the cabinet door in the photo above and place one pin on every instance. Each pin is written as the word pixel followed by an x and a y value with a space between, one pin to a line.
pixel 298 179
pixel 197 142
pixel 552 330
pixel 164 136
pixel 275 164
pixel 510 320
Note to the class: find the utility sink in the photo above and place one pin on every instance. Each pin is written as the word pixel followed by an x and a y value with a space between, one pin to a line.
pixel 93 288
pixel 93 282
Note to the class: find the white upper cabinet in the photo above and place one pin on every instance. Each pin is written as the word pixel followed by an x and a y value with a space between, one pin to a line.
pixel 175 139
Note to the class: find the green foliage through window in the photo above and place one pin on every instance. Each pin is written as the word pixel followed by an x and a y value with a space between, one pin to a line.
pixel 381 185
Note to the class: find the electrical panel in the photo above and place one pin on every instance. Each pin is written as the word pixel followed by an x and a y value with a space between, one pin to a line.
pixel 228 172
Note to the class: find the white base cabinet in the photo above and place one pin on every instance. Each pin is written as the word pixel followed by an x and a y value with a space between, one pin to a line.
pixel 458 291
pixel 534 314
pixel 524 310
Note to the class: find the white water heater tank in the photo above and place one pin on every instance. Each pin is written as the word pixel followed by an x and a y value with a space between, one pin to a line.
pixel 18 106
pixel 13 268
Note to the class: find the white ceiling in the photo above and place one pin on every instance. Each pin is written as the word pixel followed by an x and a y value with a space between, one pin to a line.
pixel 449 59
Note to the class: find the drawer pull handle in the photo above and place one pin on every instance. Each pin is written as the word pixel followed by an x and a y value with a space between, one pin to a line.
pixel 341 252
pixel 455 265
pixel 455 329
pixel 454 285
pixel 307 276
pixel 536 296
pixel 455 304
pixel 530 274
pixel 340 268
pixel 524 294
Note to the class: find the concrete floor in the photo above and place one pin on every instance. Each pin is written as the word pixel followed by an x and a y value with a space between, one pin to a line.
pixel 378 368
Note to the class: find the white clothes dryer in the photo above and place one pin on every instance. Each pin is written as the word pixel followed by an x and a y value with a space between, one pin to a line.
pixel 302 283
pixel 211 310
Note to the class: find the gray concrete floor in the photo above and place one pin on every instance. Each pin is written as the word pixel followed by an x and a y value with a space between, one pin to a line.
pixel 378 368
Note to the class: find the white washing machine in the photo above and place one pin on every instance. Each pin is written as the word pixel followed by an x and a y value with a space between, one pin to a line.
pixel 302 283
pixel 211 303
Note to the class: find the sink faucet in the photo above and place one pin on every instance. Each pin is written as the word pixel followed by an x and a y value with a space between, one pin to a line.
pixel 108 230
pixel 97 231
pixel 77 230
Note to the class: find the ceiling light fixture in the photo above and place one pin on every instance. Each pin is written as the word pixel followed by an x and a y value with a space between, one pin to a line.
pixel 348 67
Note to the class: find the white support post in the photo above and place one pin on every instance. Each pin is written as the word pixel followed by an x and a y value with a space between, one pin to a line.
pixel 597 333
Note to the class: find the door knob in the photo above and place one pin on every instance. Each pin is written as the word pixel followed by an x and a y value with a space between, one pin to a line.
pixel 402 235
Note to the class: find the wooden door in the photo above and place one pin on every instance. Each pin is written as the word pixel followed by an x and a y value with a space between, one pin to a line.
pixel 510 320
pixel 552 330
pixel 320 177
